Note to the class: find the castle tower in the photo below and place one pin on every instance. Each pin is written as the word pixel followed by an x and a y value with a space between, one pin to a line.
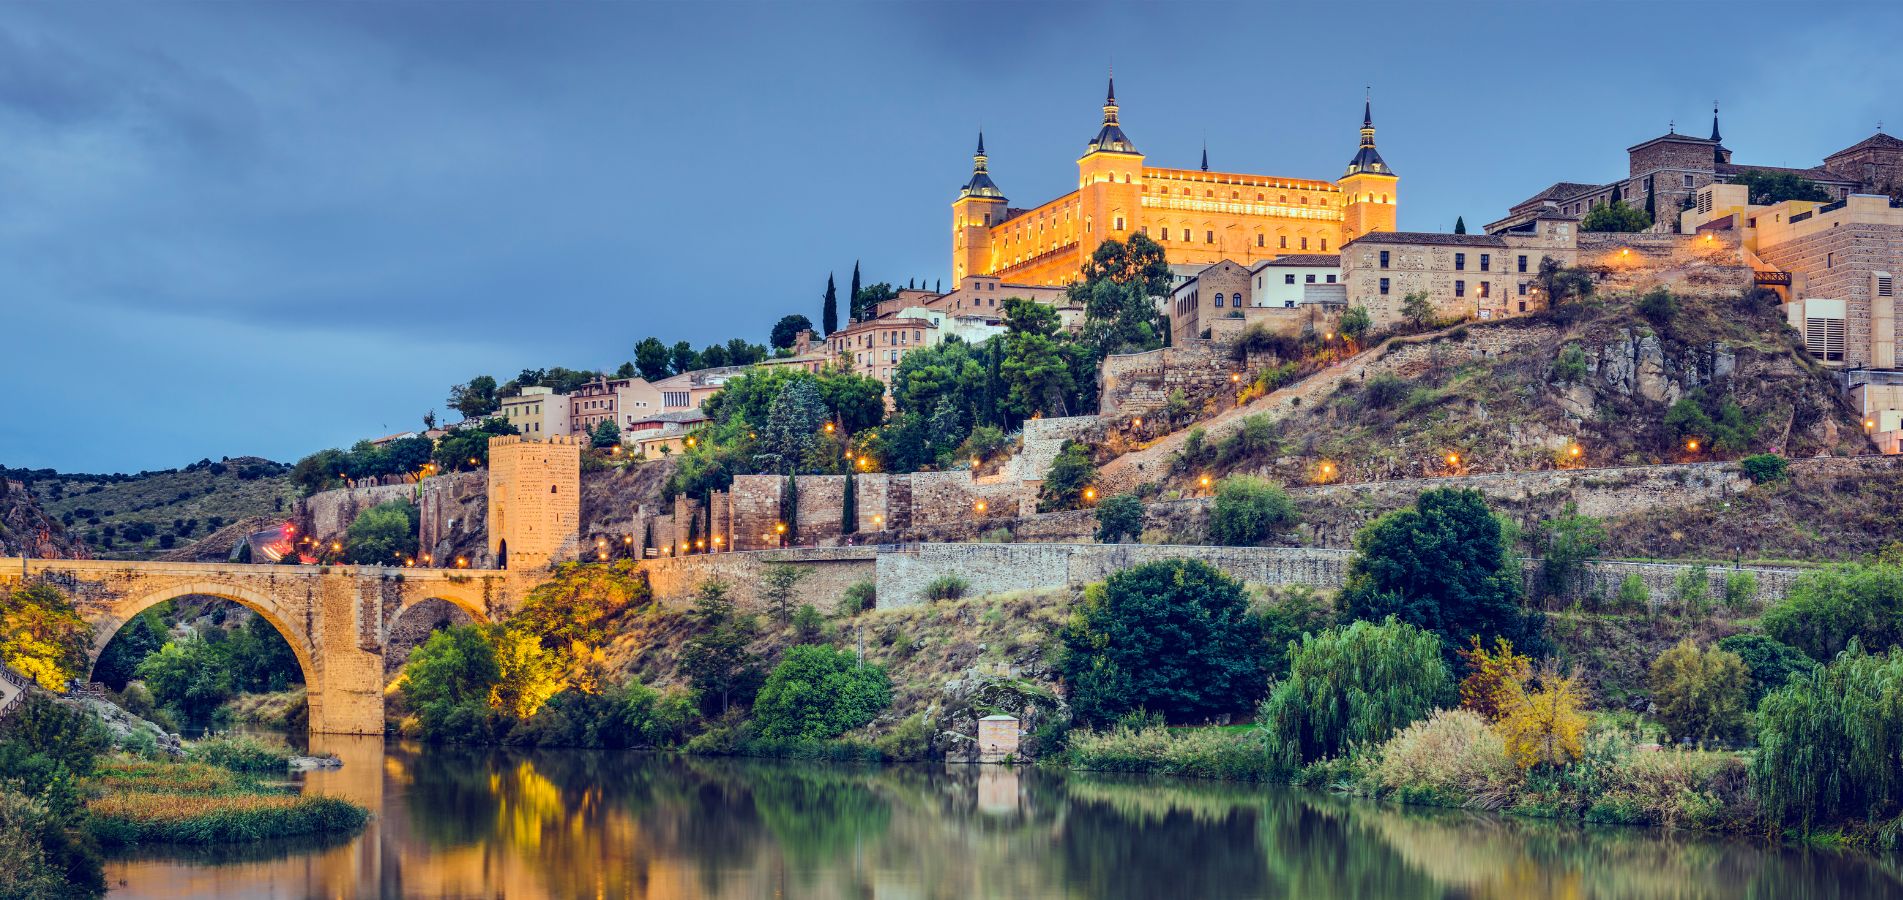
pixel 534 501
pixel 1370 190
pixel 1109 183
pixel 979 206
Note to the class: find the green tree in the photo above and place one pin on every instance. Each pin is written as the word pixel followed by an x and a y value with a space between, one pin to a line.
pixel 474 398
pixel 449 679
pixel 1615 216
pixel 605 435
pixel 1566 542
pixel 651 357
pixel 1701 694
pixel 1355 323
pixel 1249 511
pixel 714 356
pixel 787 330
pixel 777 584
pixel 1173 638
pixel 1830 746
pixel 1561 284
pixel 1444 566
pixel 1826 609
pixel 1460 224
pixel 1285 618
pixel 716 660
pixel 794 421
pixel 1070 474
pixel 1120 518
pixel 819 693
pixel 1764 467
pixel 1033 363
pixel 1416 308
pixel 1353 686
pixel 1770 663
pixel 42 635
pixel 682 358
pixel 829 307
pixel 409 455
pixel 859 313
pixel 467 447
pixel 382 535
pixel 191 677
pixel 866 301
pixel 320 471
pixel 1117 291
pixel 1767 188
pixel 137 639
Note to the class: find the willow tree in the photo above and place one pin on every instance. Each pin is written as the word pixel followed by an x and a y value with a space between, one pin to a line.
pixel 1353 685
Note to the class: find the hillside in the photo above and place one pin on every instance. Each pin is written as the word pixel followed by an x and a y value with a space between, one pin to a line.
pixel 153 513
pixel 26 529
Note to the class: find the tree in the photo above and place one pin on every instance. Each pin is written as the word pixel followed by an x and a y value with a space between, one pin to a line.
pixel 1701 694
pixel 819 693
pixel 1460 224
pixel 741 353
pixel 1545 728
pixel 467 447
pixel 1493 677
pixel 1767 188
pixel 651 357
pixel 1561 284
pixel 42 635
pixel 320 471
pixel 605 434
pixel 716 660
pixel 1070 474
pixel 1771 663
pixel 1173 638
pixel 448 680
pixel 866 301
pixel 1566 542
pixel 1033 363
pixel 858 313
pixel 409 455
pixel 1615 217
pixel 1120 282
pixel 793 423
pixel 714 356
pixel 777 584
pixel 1444 566
pixel 786 332
pixel 1355 323
pixel 1248 511
pixel 1416 308
pixel 1826 609
pixel 527 673
pixel 1830 745
pixel 1120 518
pixel 382 535
pixel 682 358
pixel 191 677
pixel 1353 685
pixel 829 307
pixel 475 398
pixel 136 640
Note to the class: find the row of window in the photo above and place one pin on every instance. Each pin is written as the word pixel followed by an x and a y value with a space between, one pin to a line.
pixel 1460 261
pixel 1237 195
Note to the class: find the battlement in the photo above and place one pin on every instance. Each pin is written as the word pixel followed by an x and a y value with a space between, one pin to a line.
pixel 512 439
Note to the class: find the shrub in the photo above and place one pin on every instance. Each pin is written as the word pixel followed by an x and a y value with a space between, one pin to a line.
pixel 1831 745
pixel 1741 589
pixel 241 754
pixel 1544 728
pixel 945 587
pixel 1567 541
pixel 1493 677
pixel 1570 367
pixel 1173 637
pixel 819 693
pixel 42 636
pixel 910 739
pixel 1691 589
pixel 1119 518
pixel 1764 467
pixel 859 597
pixel 1825 610
pixel 1659 307
pixel 1071 472
pixel 1354 685
pixel 1633 594
pixel 1248 511
pixel 1769 662
pixel 1453 756
pixel 1191 752
pixel 807 623
pixel 1384 390
pixel 1701 694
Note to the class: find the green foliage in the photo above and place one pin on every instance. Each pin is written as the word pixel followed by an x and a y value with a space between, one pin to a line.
pixel 1701 695
pixel 1830 746
pixel 829 308
pixel 1826 609
pixel 1659 307
pixel 1769 662
pixel 581 603
pixel 46 747
pixel 137 639
pixel 777 584
pixel 1444 566
pixel 859 597
pixel 1174 638
pixel 1615 216
pixel 1718 423
pixel 448 681
pixel 819 693
pixel 1633 594
pixel 1120 518
pixel 1418 309
pixel 456 450
pixel 1767 188
pixel 1355 323
pixel 1034 364
pixel 650 357
pixel 1764 467
pixel 1741 589
pixel 716 660
pixel 383 534
pixel 1249 511
pixel 1566 542
pixel 1119 283
pixel 808 624
pixel 1071 472
pixel 1691 591
pixel 1138 747
pixel 474 398
pixel 945 588
pixel 42 636
pixel 605 435
pixel 1570 367
pixel 1285 619
pixel 1384 390
pixel 1353 686
pixel 1561 284
pixel 622 716
pixel 794 426
pixel 241 754
pixel 787 330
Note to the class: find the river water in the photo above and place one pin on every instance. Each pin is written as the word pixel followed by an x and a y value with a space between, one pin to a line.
pixel 465 822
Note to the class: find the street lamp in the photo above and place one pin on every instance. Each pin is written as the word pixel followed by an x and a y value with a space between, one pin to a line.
pixel 1453 460
pixel 1090 493
pixel 1691 446
pixel 981 507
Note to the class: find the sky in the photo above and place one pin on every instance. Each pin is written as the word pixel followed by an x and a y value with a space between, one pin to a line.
pixel 246 229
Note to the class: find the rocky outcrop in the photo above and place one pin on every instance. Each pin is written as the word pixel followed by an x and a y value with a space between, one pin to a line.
pixel 26 529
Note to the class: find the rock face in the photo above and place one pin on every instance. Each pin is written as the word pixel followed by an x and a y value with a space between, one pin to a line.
pixel 26 529
pixel 973 695
pixel 125 727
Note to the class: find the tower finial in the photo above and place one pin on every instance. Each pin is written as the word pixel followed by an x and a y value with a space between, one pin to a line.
pixel 1715 136
pixel 1110 96
pixel 981 140
pixel 1205 154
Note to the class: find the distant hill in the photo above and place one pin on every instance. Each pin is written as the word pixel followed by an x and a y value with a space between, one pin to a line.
pixel 159 513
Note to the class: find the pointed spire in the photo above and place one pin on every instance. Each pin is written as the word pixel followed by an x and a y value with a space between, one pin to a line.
pixel 1367 107
pixel 1205 156
pixel 1368 160
pixel 1110 96
pixel 981 142
pixel 981 184
pixel 1715 136
pixel 1110 138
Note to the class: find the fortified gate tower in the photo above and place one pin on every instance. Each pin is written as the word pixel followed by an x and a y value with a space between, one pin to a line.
pixel 534 501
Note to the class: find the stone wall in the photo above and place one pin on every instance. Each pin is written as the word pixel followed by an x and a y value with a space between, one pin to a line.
pixel 1139 384
pixel 904 572
pixel 452 511
pixel 829 572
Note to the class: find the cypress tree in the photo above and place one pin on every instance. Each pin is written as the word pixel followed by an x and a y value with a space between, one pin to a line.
pixel 849 517
pixel 790 508
pixel 1460 224
pixel 852 300
pixel 829 314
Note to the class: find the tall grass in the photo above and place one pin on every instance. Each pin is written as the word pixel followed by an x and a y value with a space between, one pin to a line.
pixel 1237 754
pixel 198 803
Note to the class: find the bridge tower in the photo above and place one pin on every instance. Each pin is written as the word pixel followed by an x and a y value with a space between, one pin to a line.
pixel 534 501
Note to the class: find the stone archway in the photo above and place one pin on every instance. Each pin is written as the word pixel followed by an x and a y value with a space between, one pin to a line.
pixel 413 623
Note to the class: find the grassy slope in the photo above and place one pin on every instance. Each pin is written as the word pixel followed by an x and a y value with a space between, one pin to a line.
pixel 160 498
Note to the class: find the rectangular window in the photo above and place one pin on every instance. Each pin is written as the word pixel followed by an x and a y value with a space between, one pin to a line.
pixel 1324 245
pixel 1688 181
pixel 1310 279
pixel 1830 260
pixel 1460 262
pixel 1289 278
pixel 1522 288
pixel 1384 287
pixel 1331 279
pixel 1259 239
pixel 1304 243
pixel 1486 262
pixel 1119 223
pixel 1384 259
pixel 1522 262
pixel 1522 306
pixel 1460 288
pixel 1209 237
pixel 1284 244
pixel 1486 289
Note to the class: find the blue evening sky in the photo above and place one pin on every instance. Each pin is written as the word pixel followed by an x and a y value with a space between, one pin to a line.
pixel 235 229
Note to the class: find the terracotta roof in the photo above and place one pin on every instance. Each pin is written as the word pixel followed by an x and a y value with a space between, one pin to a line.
pixel 1303 259
pixel 1430 237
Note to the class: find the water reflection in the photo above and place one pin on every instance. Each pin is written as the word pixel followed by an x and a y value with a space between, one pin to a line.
pixel 468 822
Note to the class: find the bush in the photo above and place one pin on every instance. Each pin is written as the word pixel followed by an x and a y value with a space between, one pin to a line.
pixel 1174 638
pixel 945 587
pixel 1248 511
pixel 1071 472
pixel 1191 752
pixel 448 681
pixel 1453 756
pixel 1691 589
pixel 1570 367
pixel 1831 746
pixel 1633 596
pixel 1659 307
pixel 1544 728
pixel 1741 590
pixel 859 597
pixel 1763 467
pixel 241 754
pixel 1493 677
pixel 1354 685
pixel 1826 609
pixel 1119 518
pixel 1701 695
pixel 1770 663
pixel 42 636
pixel 1383 390
pixel 807 623
pixel 910 739
pixel 1566 542
pixel 819 693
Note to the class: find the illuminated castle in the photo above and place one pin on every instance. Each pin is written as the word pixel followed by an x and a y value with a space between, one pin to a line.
pixel 1200 217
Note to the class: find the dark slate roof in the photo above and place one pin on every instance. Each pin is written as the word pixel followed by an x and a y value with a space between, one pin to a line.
pixel 1673 136
pixel 981 185
pixel 1879 139
pixel 1368 161
pixel 1814 173
pixel 1110 139
pixel 1430 237
pixel 1562 190
pixel 1303 259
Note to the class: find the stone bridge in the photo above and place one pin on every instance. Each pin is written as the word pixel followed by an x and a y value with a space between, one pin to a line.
pixel 337 619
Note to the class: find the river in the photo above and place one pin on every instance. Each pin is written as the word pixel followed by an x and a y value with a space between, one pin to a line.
pixel 480 822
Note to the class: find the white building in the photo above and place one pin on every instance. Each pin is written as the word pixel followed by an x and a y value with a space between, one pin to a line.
pixel 1283 281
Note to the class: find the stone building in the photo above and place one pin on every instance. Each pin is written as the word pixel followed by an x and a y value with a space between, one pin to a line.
pixel 534 501
pixel 537 412
pixel 1465 276
pixel 1198 216
pixel 1210 306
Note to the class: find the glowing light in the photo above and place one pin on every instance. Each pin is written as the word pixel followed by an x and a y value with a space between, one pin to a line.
pixel 690 442
pixel 1869 423
pixel 981 506
pixel 1204 481
pixel 779 528
pixel 1692 446
pixel 975 463
pixel 1625 252
pixel 1090 493
pixel 1575 451
pixel 336 547
pixel 462 562
pixel 829 428
pixel 1234 378
pixel 878 520
pixel 1453 459
pixel 1136 422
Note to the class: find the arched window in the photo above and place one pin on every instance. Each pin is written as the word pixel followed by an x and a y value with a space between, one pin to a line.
pixel 1219 301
